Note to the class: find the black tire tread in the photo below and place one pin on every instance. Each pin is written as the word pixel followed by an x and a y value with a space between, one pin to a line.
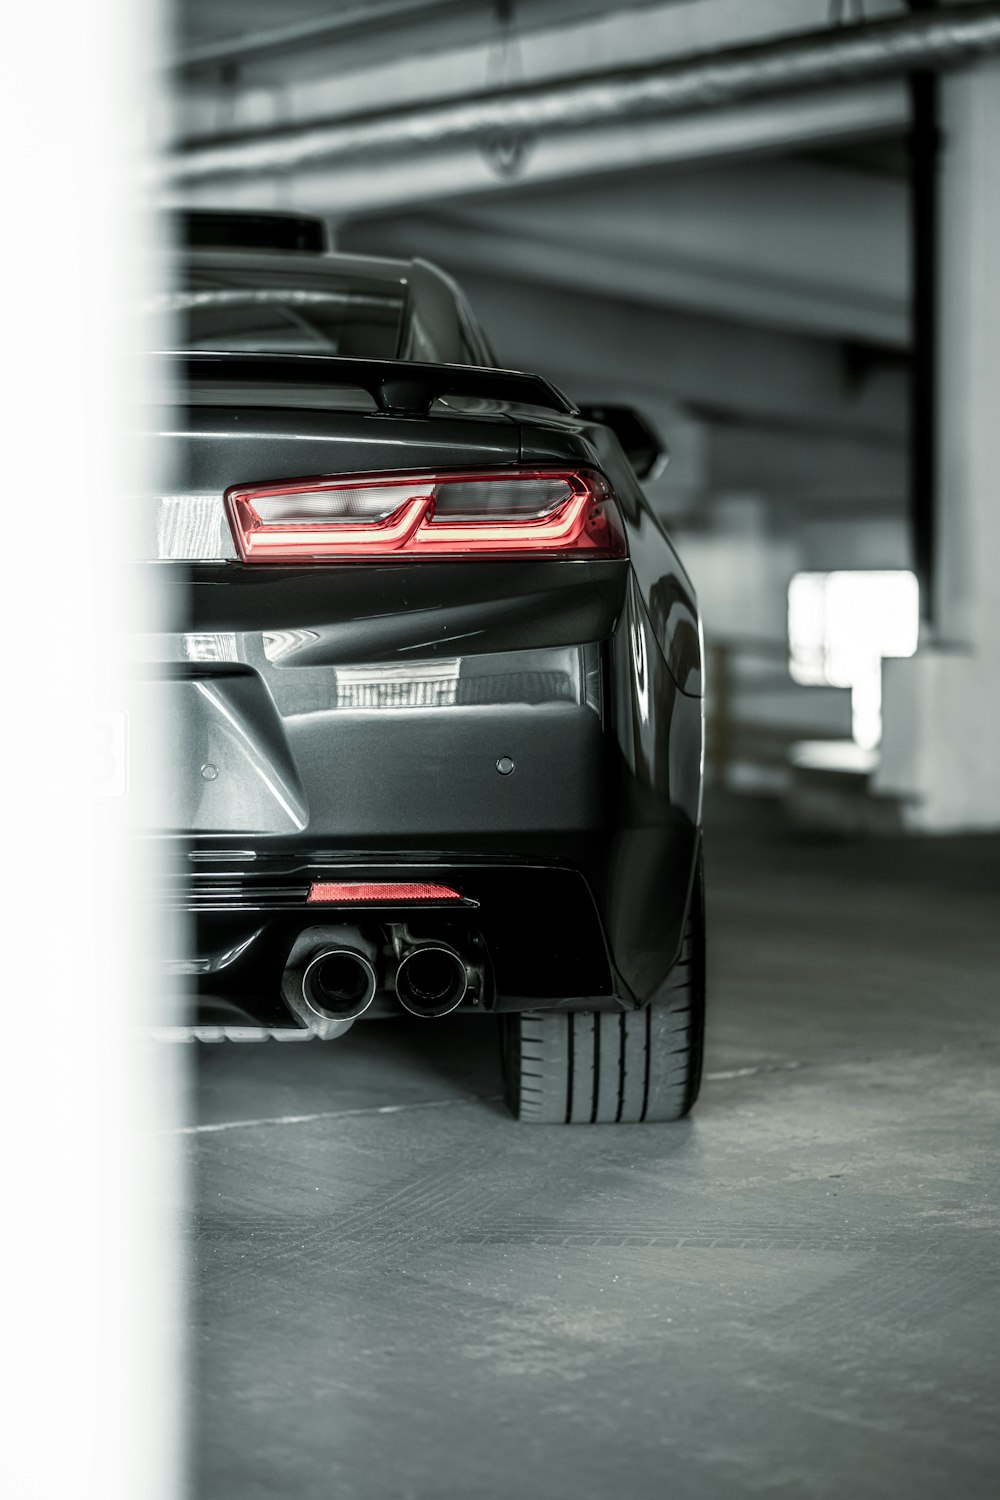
pixel 591 1067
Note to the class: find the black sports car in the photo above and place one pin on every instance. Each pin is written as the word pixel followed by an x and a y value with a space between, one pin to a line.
pixel 435 688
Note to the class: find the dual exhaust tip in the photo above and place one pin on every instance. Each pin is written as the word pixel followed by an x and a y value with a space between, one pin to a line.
pixel 339 984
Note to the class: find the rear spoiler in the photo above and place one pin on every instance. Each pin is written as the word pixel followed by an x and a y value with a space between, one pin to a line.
pixel 398 387
pixel 222 229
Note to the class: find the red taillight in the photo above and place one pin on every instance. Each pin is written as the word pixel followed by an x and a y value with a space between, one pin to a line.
pixel 352 892
pixel 359 517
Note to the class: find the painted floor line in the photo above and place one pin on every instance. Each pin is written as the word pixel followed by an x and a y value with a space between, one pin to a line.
pixel 397 1109
pixel 781 1067
pixel 328 1114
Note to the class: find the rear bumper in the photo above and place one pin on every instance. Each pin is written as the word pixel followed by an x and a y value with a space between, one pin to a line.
pixel 536 927
pixel 605 928
pixel 557 786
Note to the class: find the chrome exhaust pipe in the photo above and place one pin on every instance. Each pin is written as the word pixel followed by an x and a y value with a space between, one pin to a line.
pixel 338 984
pixel 431 980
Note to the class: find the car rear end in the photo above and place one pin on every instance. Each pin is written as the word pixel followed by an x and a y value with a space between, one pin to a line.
pixel 430 743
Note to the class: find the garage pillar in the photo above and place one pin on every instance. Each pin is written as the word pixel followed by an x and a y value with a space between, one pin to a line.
pixel 941 708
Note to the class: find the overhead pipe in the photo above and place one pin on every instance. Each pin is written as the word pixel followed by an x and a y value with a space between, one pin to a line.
pixel 924 40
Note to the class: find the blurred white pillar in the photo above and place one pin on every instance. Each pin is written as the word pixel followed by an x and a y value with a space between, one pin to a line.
pixel 942 707
pixel 87 1262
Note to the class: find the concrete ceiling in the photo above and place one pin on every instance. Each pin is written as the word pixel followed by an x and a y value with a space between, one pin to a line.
pixel 311 65
pixel 360 33
pixel 545 37
pixel 800 245
pixel 805 246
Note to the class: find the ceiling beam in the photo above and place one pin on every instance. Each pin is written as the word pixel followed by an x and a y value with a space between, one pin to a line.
pixel 823 59
pixel 346 190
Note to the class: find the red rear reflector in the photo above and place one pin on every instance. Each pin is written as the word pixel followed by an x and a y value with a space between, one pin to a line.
pixel 387 890
pixel 359 517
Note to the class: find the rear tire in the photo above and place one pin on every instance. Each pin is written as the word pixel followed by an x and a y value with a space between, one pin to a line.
pixel 590 1067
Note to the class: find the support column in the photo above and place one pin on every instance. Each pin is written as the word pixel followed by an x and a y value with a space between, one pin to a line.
pixel 941 708
pixel 924 247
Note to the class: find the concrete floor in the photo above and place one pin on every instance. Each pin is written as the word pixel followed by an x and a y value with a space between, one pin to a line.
pixel 405 1294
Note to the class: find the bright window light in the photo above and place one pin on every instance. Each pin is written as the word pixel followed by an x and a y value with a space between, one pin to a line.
pixel 841 625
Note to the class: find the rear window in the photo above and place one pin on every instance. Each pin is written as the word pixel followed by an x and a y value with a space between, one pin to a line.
pixel 284 313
